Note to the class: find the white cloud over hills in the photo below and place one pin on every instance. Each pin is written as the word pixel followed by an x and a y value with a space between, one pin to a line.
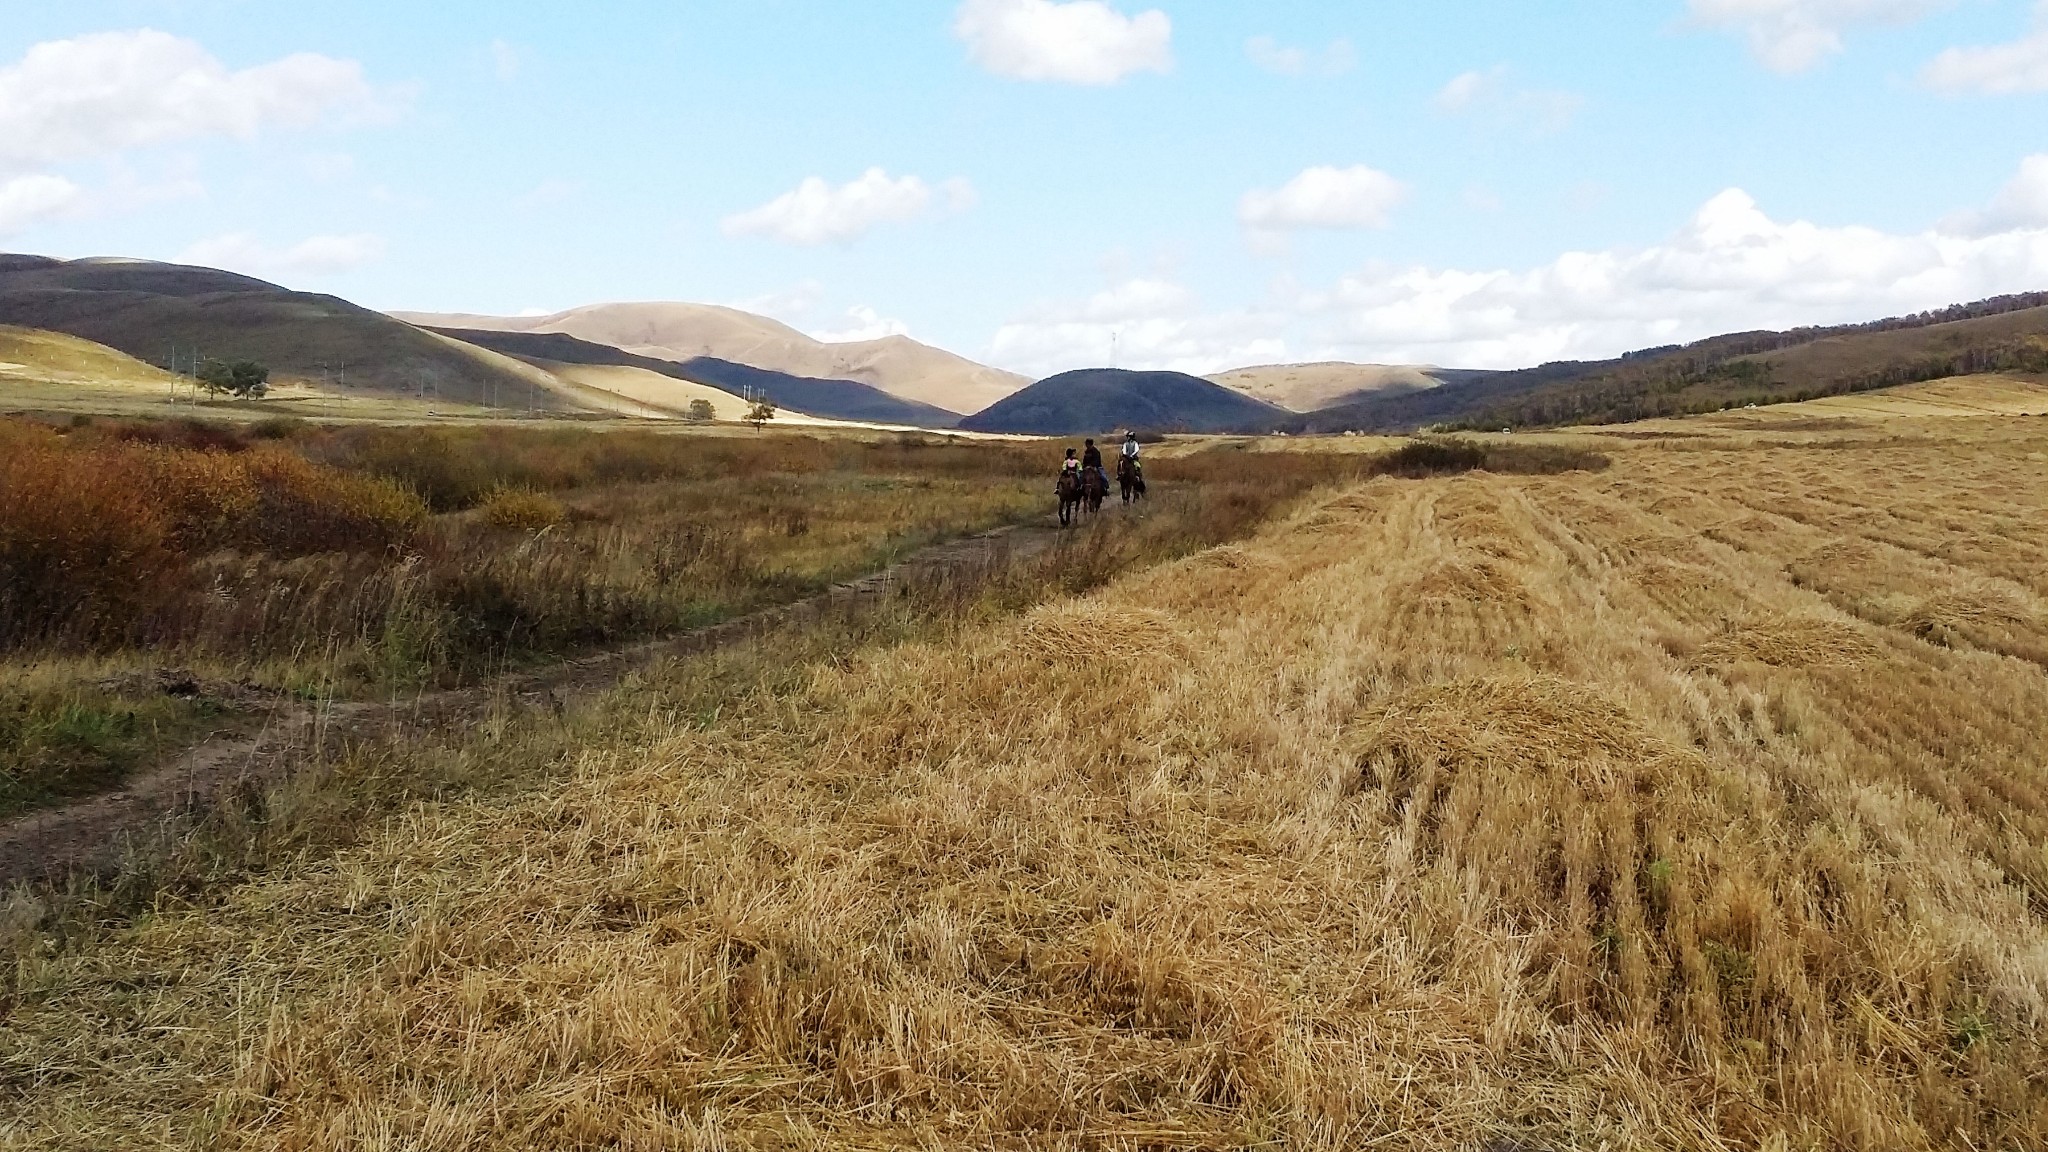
pixel 2002 69
pixel 99 97
pixel 1324 198
pixel 817 212
pixel 315 256
pixel 1731 267
pixel 1795 35
pixel 1081 42
pixel 113 91
pixel 26 201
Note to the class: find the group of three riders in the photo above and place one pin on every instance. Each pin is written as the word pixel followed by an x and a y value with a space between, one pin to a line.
pixel 1091 458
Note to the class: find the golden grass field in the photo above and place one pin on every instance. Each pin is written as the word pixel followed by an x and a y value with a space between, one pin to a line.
pixel 1698 803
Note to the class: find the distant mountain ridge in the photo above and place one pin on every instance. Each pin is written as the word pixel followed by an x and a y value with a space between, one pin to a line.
pixel 2005 333
pixel 682 332
pixel 833 399
pixel 1103 400
pixel 146 309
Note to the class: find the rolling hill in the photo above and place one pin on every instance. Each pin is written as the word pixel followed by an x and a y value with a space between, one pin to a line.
pixel 1101 400
pixel 146 309
pixel 2003 334
pixel 898 365
pixel 832 399
pixel 1309 387
pixel 58 358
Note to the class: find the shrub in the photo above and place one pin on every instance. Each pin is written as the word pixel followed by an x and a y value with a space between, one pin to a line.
pixel 1435 457
pixel 84 550
pixel 522 510
pixel 207 498
pixel 305 507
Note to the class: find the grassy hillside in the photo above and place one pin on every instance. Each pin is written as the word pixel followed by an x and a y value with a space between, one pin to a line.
pixel 897 365
pixel 2005 334
pixel 832 399
pixel 146 310
pixel 1102 400
pixel 58 358
pixel 839 399
pixel 1310 387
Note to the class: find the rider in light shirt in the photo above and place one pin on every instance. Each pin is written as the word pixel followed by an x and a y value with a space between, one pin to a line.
pixel 1130 445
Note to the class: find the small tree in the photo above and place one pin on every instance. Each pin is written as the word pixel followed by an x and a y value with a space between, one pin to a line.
pixel 701 411
pixel 243 379
pixel 761 413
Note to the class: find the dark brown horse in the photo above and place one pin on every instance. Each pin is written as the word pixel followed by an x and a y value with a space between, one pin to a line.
pixel 1130 476
pixel 1071 491
pixel 1094 488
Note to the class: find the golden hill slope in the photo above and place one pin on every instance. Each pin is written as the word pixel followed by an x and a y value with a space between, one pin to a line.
pixel 1307 387
pixel 898 365
pixel 57 358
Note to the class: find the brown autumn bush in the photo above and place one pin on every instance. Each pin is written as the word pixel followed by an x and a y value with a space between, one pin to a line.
pixel 522 510
pixel 98 535
pixel 84 549
pixel 305 507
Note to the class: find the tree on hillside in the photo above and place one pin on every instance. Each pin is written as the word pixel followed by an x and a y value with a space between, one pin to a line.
pixel 701 411
pixel 761 413
pixel 243 379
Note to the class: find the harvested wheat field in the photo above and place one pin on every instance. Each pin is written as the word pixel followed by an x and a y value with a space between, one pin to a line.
pixel 1697 803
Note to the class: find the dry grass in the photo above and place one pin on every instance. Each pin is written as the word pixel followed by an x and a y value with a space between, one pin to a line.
pixel 1425 818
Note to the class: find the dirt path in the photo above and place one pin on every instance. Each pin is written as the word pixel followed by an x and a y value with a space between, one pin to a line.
pixel 91 834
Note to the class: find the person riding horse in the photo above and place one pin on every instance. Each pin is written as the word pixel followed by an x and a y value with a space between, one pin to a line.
pixel 1091 460
pixel 1130 474
pixel 1070 488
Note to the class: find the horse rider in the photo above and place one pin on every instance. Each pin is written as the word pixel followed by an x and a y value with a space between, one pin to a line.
pixel 1091 461
pixel 1072 465
pixel 1130 451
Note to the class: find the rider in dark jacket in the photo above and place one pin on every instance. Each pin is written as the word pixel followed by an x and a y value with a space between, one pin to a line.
pixel 1091 457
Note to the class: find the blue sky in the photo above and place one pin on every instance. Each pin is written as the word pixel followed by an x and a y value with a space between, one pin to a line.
pixel 1179 183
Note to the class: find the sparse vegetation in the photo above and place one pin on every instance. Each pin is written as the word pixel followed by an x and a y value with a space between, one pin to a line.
pixel 1403 801
pixel 351 559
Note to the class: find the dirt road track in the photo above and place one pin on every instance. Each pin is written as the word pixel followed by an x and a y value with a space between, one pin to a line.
pixel 90 835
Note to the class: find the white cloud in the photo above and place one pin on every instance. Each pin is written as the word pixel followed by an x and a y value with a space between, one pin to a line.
pixel 1083 42
pixel 2021 66
pixel 1794 35
pixel 864 323
pixel 1284 60
pixel 1466 88
pixel 2021 204
pixel 790 305
pixel 1326 197
pixel 314 256
pixel 819 213
pixel 1146 323
pixel 112 91
pixel 26 201
pixel 1731 267
pixel 1539 110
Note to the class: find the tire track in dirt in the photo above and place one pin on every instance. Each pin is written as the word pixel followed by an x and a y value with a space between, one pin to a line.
pixel 91 834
